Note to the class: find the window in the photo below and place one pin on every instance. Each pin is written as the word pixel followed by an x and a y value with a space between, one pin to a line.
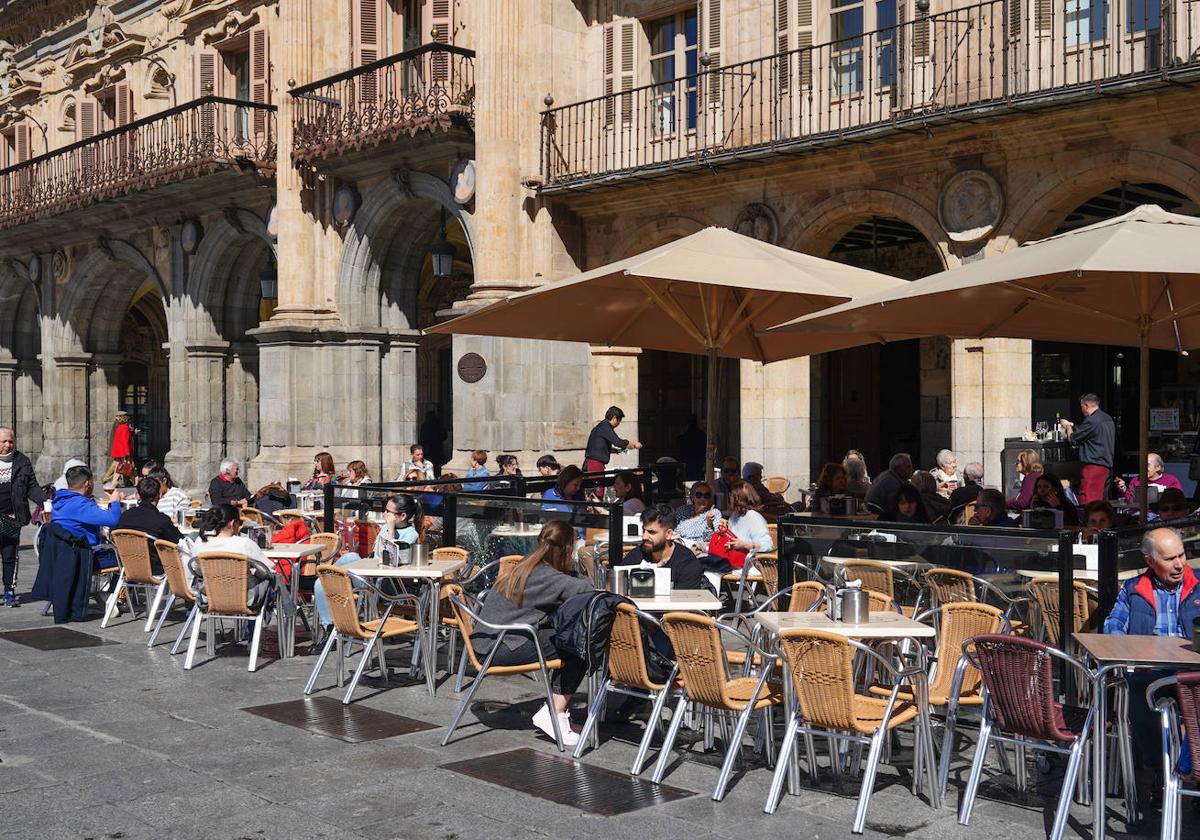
pixel 237 66
pixel 1085 21
pixel 1142 15
pixel 674 68
pixel 885 43
pixel 8 149
pixel 847 47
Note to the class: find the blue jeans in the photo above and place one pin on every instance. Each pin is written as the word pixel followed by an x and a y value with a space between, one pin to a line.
pixel 322 603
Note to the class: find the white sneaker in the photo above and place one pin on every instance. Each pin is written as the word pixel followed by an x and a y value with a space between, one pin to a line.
pixel 542 721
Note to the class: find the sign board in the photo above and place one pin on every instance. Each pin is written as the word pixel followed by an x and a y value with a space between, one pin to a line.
pixel 1164 419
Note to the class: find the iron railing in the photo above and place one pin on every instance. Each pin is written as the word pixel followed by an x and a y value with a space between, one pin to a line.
pixel 182 142
pixel 992 56
pixel 425 89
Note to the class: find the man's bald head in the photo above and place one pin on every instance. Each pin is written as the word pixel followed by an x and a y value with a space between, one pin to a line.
pixel 8 440
pixel 1165 557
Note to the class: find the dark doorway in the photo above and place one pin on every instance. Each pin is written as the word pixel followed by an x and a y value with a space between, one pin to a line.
pixel 672 389
pixel 144 384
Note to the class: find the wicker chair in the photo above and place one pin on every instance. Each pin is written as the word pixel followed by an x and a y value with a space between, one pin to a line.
pixel 1180 711
pixel 175 575
pixel 877 576
pixel 778 484
pixel 468 620
pixel 226 583
pixel 821 667
pixel 349 629
pixel 954 586
pixel 446 614
pixel 705 672
pixel 806 596
pixel 1044 594
pixel 307 569
pixel 252 515
pixel 628 674
pixel 1021 708
pixel 954 682
pixel 133 553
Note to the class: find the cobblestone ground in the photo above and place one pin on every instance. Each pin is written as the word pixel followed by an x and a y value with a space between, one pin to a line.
pixel 119 742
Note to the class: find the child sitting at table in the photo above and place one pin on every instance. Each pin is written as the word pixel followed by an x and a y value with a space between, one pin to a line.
pixel 403 521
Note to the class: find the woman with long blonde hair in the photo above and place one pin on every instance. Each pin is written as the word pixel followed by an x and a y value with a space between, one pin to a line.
pixel 529 592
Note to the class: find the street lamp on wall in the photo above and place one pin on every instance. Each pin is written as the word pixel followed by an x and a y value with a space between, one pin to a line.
pixel 442 253
pixel 268 283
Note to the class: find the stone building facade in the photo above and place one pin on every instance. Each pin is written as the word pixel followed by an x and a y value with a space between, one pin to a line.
pixel 235 218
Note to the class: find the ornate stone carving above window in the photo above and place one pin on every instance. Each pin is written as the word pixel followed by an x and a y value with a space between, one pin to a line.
pixel 233 25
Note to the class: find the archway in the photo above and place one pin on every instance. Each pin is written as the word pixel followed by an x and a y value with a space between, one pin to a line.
pixel 20 368
pixel 388 291
pixel 1063 371
pixel 890 399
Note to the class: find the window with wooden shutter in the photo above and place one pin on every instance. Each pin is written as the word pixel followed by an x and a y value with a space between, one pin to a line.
pixel 441 31
pixel 620 63
pixel 365 46
pixel 793 41
pixel 712 45
pixel 921 35
pixel 205 71
pixel 123 110
pixel 1043 16
pixel 88 110
pixel 628 58
pixel 1016 15
pixel 21 142
pixel 260 77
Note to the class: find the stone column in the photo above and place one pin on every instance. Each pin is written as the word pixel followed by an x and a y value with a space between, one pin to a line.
pixel 204 420
pixel 992 398
pixel 615 382
pixel 775 407
pixel 66 403
pixel 395 430
pixel 241 402
pixel 29 414
pixel 104 388
pixel 8 394
pixel 935 399
pixel 180 460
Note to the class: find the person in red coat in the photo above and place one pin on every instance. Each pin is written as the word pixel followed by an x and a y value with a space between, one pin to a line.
pixel 121 450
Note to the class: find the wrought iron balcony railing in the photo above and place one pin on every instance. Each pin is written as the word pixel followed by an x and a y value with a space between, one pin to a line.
pixel 990 57
pixel 182 142
pixel 426 89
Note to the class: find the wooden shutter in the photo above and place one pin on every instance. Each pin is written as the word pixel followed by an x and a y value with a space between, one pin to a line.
pixel 620 63
pixel 1016 16
pixel 21 132
pixel 794 32
pixel 366 47
pixel 206 82
pixel 85 127
pixel 921 35
pixel 1043 16
pixel 441 31
pixel 712 45
pixel 260 78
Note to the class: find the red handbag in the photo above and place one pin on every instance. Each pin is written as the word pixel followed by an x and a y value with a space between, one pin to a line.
pixel 720 546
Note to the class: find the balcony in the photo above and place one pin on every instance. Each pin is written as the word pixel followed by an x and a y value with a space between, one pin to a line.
pixel 207 135
pixel 981 60
pixel 428 90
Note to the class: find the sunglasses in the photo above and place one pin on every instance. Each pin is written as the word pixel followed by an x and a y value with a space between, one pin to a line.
pixel 702 495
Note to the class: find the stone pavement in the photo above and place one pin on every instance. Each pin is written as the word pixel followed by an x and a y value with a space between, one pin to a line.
pixel 118 741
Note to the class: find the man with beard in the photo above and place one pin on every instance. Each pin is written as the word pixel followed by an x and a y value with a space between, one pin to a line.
pixel 658 548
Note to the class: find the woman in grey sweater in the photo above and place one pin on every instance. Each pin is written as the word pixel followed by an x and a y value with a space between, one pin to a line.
pixel 529 592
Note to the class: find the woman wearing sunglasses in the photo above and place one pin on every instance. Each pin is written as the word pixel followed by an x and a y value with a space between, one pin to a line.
pixel 700 519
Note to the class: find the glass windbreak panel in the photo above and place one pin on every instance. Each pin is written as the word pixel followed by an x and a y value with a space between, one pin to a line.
pixel 1131 555
pixel 1003 560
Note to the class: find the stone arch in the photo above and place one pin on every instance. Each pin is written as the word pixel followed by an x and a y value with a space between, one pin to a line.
pixel 817 229
pixel 20 345
pixel 1074 180
pixel 215 305
pixel 657 232
pixel 394 222
pixel 111 273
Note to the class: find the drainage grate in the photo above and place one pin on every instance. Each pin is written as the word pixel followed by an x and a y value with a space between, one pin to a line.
pixel 327 716
pixel 54 638
pixel 566 782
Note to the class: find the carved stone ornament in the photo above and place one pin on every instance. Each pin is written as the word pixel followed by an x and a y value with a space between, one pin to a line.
pixel 971 205
pixel 759 221
pixel 231 26
pixel 471 368
pixel 462 181
pixel 58 266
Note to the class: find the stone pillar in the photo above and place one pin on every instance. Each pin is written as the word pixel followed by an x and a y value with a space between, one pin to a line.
pixel 29 416
pixel 935 400
pixel 241 402
pixel 775 412
pixel 104 393
pixel 66 404
pixel 180 459
pixel 992 398
pixel 615 382
pixel 395 384
pixel 203 422
pixel 8 394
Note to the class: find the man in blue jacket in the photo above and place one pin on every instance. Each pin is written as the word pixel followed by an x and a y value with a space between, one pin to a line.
pixel 75 510
pixel 1162 601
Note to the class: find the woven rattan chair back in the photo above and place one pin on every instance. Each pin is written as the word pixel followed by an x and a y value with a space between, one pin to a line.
pixel 177 576
pixel 343 603
pixel 465 625
pixel 133 550
pixel 507 562
pixel 1045 594
pixel 768 567
pixel 226 582
pixel 874 575
pixel 626 656
pixel 804 595
pixel 778 484
pixel 1019 677
pixel 701 658
pixel 880 602
pixel 821 667
pixel 951 586
pixel 451 552
pixel 960 622
pixel 252 515
pixel 330 547
pixel 287 517
pixel 1187 694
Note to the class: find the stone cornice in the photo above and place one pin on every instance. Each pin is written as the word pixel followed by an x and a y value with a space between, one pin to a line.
pixel 24 21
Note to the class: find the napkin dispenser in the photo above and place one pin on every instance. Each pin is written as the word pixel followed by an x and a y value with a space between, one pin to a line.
pixel 641 582
pixel 840 505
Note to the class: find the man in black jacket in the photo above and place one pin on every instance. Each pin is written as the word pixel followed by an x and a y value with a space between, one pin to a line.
pixel 147 518
pixel 604 441
pixel 18 487
pixel 658 548
pixel 227 488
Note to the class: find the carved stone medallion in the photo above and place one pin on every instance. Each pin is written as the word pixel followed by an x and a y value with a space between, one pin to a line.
pixel 759 221
pixel 971 205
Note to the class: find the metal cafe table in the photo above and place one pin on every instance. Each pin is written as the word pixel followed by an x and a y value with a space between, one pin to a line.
pixel 882 626
pixel 290 553
pixel 429 572
pixel 1114 653
pixel 680 600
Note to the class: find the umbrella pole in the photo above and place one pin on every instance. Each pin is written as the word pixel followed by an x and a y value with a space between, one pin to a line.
pixel 710 420
pixel 1143 419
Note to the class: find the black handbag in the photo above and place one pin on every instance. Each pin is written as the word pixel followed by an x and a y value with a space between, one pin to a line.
pixel 10 529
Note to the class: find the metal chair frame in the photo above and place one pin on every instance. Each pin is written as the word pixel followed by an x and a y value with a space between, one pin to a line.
pixel 1173 789
pixel 345 642
pixel 502 630
pixel 208 615
pixel 112 606
pixel 164 546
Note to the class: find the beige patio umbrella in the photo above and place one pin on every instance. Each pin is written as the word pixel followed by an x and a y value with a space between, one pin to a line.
pixel 710 293
pixel 1133 280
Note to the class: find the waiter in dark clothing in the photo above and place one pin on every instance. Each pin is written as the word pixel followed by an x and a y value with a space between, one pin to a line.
pixel 658 548
pixel 1096 438
pixel 18 487
pixel 148 519
pixel 603 441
